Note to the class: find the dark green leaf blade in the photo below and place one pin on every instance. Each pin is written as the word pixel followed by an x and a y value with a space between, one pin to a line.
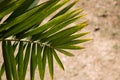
pixel 3 65
pixel 44 57
pixel 26 59
pixel 2 69
pixel 50 63
pixel 21 18
pixel 39 60
pixel 69 38
pixel 11 8
pixel 71 47
pixel 21 9
pixel 74 42
pixel 64 10
pixel 33 20
pixel 67 32
pixel 65 52
pixel 33 62
pixel 56 28
pixel 58 60
pixel 13 61
pixel 49 24
pixel 5 3
pixel 20 60
pixel 6 61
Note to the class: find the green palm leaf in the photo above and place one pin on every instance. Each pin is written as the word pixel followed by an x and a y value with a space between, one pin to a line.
pixel 45 50
pixel 39 60
pixel 28 41
pixel 58 59
pixel 13 61
pixel 26 59
pixel 10 8
pixel 7 61
pixel 20 60
pixel 33 62
pixel 50 63
pixel 65 52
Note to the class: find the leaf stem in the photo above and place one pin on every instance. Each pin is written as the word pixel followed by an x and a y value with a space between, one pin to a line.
pixel 28 41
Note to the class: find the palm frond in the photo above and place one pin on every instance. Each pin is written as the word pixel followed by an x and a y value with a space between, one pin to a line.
pixel 26 40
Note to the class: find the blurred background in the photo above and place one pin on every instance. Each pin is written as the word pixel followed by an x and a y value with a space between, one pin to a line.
pixel 101 58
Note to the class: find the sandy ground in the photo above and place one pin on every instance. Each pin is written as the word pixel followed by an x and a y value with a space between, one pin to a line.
pixel 101 58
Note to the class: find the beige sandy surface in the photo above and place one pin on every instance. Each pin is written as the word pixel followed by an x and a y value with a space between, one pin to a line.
pixel 101 58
